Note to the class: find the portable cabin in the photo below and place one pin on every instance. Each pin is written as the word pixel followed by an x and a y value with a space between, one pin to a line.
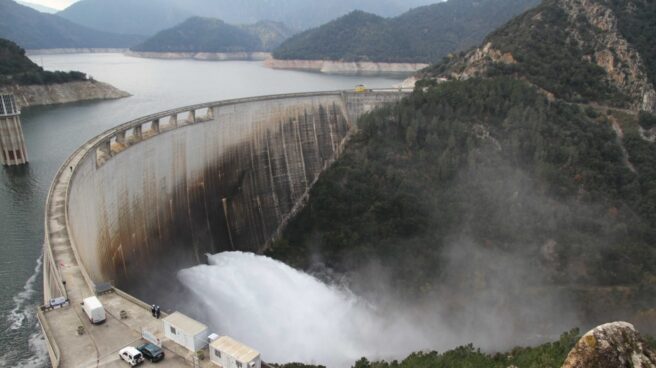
pixel 227 352
pixel 185 331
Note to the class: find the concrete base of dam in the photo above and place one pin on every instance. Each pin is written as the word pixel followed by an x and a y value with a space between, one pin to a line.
pixel 156 194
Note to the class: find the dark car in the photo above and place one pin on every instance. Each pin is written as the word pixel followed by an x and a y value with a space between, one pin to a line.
pixel 152 352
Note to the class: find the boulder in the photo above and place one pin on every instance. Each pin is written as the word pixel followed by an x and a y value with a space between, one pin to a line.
pixel 613 345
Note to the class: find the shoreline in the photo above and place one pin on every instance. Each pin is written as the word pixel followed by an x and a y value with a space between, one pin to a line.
pixel 205 56
pixel 63 93
pixel 74 51
pixel 345 67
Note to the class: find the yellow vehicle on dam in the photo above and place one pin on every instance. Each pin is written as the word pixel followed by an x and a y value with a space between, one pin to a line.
pixel 360 88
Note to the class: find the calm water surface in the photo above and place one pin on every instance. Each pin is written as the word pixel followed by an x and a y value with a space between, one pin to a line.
pixel 52 133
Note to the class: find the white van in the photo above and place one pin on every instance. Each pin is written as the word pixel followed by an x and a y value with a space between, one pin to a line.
pixel 94 310
pixel 131 355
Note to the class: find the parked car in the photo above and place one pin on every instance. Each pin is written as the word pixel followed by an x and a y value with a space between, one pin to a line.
pixel 152 352
pixel 131 355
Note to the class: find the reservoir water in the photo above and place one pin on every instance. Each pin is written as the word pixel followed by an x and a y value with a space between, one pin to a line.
pixel 52 133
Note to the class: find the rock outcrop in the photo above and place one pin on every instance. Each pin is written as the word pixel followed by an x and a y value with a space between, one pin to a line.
pixel 613 345
pixel 613 52
pixel 590 26
pixel 53 94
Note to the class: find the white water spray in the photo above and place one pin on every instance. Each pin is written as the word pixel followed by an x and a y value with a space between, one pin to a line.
pixel 290 316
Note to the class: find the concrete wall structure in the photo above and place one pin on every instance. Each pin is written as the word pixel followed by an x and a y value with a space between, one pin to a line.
pixel 155 194
pixel 164 190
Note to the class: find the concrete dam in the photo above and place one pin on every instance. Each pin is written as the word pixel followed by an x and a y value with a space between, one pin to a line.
pixel 158 193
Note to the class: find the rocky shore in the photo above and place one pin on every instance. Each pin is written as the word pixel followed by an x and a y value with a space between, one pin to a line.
pixel 210 56
pixel 53 94
pixel 345 67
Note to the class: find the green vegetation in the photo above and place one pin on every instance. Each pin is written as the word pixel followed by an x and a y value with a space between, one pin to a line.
pixel 549 355
pixel 545 55
pixel 647 120
pixel 543 356
pixel 198 34
pixel 637 22
pixel 16 68
pixel 425 34
pixel 493 163
pixel 296 365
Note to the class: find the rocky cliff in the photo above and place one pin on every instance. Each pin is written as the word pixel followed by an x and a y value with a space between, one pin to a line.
pixel 577 50
pixel 52 94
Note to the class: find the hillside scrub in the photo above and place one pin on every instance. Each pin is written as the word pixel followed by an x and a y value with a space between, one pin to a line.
pixel 16 68
pixel 467 187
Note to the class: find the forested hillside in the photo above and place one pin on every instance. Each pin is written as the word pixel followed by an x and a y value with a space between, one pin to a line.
pixel 551 354
pixel 199 34
pixel 581 52
pixel 16 68
pixel 524 188
pixel 425 34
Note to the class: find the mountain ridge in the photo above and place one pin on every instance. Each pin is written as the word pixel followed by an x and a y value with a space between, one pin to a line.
pixel 424 34
pixel 595 47
pixel 203 35
pixel 34 30
pixel 148 17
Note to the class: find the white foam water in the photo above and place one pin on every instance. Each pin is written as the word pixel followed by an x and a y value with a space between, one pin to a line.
pixel 291 316
pixel 23 318
pixel 23 308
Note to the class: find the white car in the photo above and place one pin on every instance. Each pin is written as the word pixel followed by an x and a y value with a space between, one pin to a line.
pixel 131 355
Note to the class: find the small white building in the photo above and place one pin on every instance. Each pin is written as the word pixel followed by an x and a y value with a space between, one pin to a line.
pixel 185 331
pixel 226 352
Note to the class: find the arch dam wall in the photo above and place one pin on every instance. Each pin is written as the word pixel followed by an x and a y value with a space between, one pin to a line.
pixel 162 191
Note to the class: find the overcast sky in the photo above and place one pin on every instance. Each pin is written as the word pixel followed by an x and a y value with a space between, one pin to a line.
pixel 57 4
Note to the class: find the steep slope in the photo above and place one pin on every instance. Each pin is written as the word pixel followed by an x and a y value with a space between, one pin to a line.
pixel 510 198
pixel 34 30
pixel 198 34
pixel 578 50
pixel 424 34
pixel 147 17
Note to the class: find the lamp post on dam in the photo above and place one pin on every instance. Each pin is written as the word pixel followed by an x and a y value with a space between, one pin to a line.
pixel 12 142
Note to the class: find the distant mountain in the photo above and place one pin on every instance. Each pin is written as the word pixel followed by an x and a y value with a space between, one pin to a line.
pixel 34 30
pixel 147 17
pixel 270 33
pixel 41 8
pixel 424 34
pixel 199 34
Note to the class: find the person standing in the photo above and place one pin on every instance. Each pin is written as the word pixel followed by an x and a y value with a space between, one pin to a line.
pixel 158 312
pixel 152 310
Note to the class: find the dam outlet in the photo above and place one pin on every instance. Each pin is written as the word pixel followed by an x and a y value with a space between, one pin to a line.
pixel 150 197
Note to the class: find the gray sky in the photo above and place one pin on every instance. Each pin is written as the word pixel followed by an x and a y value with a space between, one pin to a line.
pixel 56 4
